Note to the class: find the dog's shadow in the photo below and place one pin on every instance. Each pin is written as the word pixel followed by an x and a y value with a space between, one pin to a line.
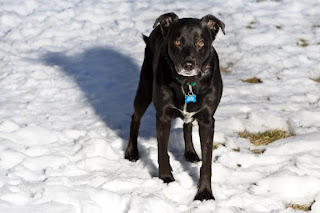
pixel 109 80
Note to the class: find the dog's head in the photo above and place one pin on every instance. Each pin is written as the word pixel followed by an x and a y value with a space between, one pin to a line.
pixel 189 41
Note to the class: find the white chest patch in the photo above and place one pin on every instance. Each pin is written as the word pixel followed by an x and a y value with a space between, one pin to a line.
pixel 187 116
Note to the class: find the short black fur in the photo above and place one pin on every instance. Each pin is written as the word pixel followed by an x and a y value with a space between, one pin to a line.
pixel 178 54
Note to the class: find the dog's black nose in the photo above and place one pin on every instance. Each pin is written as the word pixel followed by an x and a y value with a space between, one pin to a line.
pixel 188 65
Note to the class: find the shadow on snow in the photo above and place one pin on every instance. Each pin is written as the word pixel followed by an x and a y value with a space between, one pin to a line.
pixel 109 80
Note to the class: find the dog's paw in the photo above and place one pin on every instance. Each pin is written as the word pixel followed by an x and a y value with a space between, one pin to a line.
pixel 131 155
pixel 191 157
pixel 204 195
pixel 167 178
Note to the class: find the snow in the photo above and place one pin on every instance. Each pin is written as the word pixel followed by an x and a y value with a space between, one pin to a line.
pixel 69 72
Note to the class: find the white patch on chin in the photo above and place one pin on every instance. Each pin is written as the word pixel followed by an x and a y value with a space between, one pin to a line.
pixel 186 73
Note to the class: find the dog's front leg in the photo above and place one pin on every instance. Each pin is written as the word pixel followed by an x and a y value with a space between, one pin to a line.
pixel 189 153
pixel 206 129
pixel 163 131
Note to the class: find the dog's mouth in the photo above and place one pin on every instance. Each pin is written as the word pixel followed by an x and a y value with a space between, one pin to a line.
pixel 188 73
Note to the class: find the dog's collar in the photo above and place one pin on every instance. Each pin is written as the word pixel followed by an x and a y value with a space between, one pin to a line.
pixel 190 96
pixel 186 83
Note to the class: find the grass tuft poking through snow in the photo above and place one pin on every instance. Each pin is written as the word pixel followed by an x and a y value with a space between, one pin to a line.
pixel 252 25
pixel 301 207
pixel 302 42
pixel 227 69
pixel 253 80
pixel 257 151
pixel 216 145
pixel 317 80
pixel 264 138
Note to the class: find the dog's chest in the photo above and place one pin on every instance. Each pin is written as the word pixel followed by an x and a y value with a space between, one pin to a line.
pixel 186 116
pixel 186 110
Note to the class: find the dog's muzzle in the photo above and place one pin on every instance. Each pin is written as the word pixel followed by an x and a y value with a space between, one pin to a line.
pixel 187 68
pixel 188 73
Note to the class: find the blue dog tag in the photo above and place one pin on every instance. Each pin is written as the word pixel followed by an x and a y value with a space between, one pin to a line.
pixel 190 98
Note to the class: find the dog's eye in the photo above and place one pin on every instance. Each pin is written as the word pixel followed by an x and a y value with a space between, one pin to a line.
pixel 200 43
pixel 177 42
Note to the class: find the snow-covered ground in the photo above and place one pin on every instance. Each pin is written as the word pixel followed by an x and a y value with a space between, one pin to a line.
pixel 68 75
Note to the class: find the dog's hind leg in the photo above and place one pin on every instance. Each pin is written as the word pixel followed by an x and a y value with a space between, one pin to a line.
pixel 189 153
pixel 141 102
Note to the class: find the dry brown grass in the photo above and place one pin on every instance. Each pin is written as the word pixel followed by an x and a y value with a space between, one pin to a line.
pixel 257 151
pixel 251 25
pixel 227 69
pixel 264 138
pixel 253 80
pixel 301 207
pixel 302 42
pixel 236 150
pixel 317 80
pixel 216 145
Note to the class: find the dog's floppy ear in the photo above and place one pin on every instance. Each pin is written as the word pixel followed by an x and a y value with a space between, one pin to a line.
pixel 213 24
pixel 165 21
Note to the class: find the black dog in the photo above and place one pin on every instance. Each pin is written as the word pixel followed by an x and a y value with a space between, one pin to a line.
pixel 181 75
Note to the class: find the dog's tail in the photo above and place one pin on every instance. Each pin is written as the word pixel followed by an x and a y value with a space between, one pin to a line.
pixel 145 38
